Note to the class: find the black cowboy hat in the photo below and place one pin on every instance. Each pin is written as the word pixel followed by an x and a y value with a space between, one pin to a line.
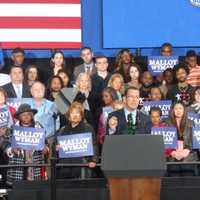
pixel 24 108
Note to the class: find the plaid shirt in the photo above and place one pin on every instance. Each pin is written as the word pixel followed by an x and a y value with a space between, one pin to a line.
pixel 19 173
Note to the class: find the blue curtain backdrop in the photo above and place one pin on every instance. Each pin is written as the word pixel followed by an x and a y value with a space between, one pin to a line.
pixel 92 34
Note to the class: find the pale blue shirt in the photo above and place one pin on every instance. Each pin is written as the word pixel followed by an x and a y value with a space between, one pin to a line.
pixel 45 115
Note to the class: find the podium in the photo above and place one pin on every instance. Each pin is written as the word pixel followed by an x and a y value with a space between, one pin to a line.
pixel 134 165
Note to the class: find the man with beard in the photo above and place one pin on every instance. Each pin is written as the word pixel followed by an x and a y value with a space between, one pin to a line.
pixel 182 91
pixel 147 83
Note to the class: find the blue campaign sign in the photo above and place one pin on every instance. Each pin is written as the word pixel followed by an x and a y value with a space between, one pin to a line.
pixel 163 105
pixel 169 136
pixel 76 145
pixel 195 117
pixel 158 64
pixel 14 102
pixel 28 138
pixel 196 138
pixel 4 117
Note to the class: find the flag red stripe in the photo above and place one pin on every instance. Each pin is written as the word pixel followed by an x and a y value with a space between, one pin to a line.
pixel 40 45
pixel 41 22
pixel 42 1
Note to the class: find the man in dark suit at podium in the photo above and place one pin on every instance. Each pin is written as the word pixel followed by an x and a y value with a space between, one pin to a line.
pixel 129 120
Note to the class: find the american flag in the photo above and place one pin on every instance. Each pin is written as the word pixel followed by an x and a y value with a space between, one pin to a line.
pixel 40 23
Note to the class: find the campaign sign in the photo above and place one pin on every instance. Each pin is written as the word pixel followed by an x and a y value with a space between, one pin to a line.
pixel 169 136
pixel 76 145
pixel 4 117
pixel 28 138
pixel 158 64
pixel 163 105
pixel 196 137
pixel 195 117
pixel 14 102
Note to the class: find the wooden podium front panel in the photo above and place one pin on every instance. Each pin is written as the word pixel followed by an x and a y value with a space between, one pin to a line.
pixel 145 188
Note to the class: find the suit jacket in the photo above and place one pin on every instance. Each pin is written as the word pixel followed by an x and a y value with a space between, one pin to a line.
pixel 81 69
pixel 11 91
pixel 143 124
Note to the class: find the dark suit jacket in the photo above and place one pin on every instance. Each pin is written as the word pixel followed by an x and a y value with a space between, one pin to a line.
pixel 143 124
pixel 11 91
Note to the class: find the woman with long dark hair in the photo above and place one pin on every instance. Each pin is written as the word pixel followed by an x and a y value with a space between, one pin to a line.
pixel 134 74
pixel 184 152
pixel 31 75
pixel 55 84
pixel 124 60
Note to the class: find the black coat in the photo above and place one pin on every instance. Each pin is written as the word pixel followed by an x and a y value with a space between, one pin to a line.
pixel 186 97
pixel 75 172
pixel 143 124
pixel 89 114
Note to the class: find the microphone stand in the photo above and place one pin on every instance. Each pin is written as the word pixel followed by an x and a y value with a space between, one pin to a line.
pixel 53 162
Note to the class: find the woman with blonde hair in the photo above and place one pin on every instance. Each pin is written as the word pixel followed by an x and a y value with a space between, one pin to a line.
pixel 117 83
pixel 85 96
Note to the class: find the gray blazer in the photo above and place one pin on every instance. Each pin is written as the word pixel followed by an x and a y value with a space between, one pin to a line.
pixel 187 136
pixel 81 69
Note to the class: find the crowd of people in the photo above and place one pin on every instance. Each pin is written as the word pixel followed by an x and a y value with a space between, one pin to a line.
pixel 106 102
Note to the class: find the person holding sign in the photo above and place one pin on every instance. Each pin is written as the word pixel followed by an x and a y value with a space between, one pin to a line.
pixel 166 49
pixel 129 120
pixel 155 117
pixel 156 122
pixel 76 125
pixel 25 115
pixel 178 118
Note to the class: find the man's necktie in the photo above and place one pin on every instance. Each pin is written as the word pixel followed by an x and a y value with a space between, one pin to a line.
pixel 88 69
pixel 131 125
pixel 19 93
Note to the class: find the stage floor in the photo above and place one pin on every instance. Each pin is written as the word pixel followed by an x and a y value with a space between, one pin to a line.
pixel 180 188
